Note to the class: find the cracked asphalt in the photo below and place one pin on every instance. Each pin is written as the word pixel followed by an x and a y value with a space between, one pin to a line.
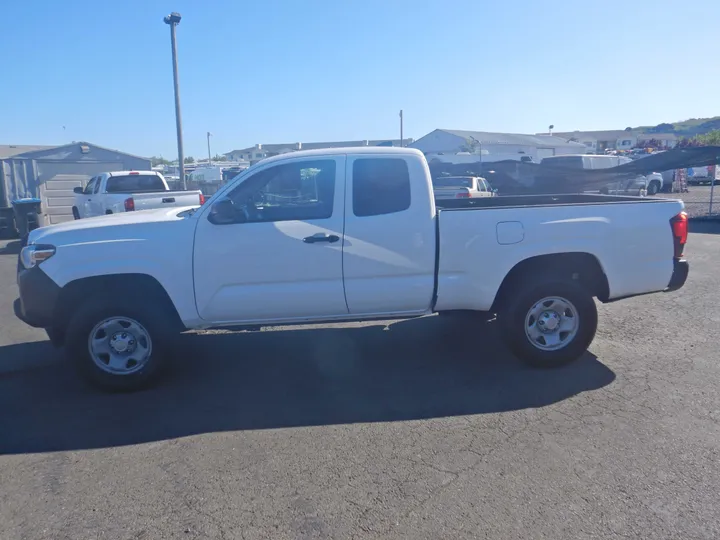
pixel 423 429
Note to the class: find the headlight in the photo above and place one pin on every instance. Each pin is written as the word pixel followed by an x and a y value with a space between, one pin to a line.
pixel 35 254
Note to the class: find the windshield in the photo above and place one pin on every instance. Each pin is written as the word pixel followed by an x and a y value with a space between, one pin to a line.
pixel 135 183
pixel 453 182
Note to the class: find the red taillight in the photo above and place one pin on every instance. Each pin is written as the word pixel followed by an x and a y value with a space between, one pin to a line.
pixel 679 226
pixel 134 172
pixel 202 199
pixel 129 204
pixel 462 195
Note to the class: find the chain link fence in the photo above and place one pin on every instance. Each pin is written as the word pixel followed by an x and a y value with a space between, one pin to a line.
pixel 700 201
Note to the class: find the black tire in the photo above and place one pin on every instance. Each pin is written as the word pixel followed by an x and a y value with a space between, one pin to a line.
pixel 56 336
pixel 653 188
pixel 151 317
pixel 512 321
pixel 75 213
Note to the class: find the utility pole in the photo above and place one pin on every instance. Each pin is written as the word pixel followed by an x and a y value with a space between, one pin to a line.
pixel 401 129
pixel 173 20
pixel 209 154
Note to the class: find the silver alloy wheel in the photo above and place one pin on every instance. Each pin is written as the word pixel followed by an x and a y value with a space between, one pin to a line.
pixel 552 323
pixel 120 345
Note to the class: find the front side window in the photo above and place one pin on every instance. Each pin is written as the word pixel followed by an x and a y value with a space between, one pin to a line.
pixel 299 191
pixel 90 186
pixel 380 186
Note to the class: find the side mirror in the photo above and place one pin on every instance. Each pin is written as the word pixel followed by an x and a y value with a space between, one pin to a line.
pixel 78 190
pixel 223 212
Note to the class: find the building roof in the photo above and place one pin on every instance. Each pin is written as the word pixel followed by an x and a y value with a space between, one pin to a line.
pixel 613 134
pixel 289 147
pixel 29 151
pixel 486 137
pixel 11 150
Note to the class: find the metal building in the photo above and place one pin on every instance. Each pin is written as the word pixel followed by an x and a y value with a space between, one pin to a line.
pixel 51 173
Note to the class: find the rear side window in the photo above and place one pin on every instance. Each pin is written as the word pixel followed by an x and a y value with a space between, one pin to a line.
pixel 135 183
pixel 380 186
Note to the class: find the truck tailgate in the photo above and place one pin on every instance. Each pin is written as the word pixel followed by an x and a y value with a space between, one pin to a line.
pixel 166 199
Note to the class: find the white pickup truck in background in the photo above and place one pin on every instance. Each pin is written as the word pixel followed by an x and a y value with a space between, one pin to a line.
pixel 461 187
pixel 342 235
pixel 125 191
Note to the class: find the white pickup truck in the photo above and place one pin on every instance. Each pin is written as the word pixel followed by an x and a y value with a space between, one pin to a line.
pixel 125 191
pixel 342 235
pixel 461 187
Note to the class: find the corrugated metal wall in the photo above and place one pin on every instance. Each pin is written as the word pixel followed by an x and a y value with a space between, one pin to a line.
pixel 51 174
pixel 17 180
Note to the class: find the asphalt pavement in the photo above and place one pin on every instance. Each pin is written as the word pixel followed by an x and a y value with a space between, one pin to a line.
pixel 423 429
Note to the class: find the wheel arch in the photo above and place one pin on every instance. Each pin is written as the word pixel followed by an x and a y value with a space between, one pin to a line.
pixel 141 287
pixel 578 266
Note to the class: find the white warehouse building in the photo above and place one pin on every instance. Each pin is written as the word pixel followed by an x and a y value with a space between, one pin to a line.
pixel 507 145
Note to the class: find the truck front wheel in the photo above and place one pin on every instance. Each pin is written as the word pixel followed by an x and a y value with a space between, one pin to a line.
pixel 118 345
pixel 549 323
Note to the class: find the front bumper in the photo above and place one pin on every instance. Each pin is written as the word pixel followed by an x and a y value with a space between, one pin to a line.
pixel 38 297
pixel 681 269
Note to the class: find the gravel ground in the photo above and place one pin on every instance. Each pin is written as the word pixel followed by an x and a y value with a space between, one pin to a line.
pixel 697 200
pixel 419 430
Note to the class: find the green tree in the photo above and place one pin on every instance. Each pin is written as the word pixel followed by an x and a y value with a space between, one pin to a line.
pixel 472 145
pixel 219 157
pixel 711 138
pixel 189 160
pixel 155 160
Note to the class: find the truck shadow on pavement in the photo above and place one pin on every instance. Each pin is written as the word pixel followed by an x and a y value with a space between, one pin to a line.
pixel 705 226
pixel 418 369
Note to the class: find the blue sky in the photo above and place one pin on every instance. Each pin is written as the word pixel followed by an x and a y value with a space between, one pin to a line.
pixel 317 70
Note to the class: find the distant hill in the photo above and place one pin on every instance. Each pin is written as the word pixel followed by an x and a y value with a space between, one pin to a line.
pixel 686 128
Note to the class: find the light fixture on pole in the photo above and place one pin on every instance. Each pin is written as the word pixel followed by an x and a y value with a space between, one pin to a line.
pixel 173 20
pixel 550 128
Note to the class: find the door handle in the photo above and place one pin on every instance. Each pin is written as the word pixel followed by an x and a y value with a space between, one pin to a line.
pixel 321 237
pixel 168 199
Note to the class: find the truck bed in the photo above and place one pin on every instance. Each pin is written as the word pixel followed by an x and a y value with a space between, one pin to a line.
pixel 630 237
pixel 515 201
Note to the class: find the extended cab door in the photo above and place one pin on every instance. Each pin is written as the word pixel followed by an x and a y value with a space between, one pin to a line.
pixel 95 203
pixel 84 200
pixel 389 251
pixel 282 259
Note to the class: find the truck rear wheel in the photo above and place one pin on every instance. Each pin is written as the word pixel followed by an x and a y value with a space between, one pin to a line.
pixel 549 323
pixel 118 345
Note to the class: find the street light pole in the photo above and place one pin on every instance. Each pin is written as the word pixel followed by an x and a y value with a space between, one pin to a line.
pixel 401 129
pixel 173 20
pixel 209 154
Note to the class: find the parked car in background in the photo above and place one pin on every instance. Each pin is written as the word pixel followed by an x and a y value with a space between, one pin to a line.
pixel 124 191
pixel 637 185
pixel 461 187
pixel 703 175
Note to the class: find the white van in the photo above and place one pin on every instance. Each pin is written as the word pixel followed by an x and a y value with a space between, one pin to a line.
pixel 632 186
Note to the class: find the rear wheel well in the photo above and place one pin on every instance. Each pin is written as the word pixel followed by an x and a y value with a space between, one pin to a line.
pixel 581 267
pixel 140 287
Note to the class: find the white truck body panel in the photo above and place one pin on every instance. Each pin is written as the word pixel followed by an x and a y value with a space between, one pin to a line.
pixel 388 265
pixel 625 239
